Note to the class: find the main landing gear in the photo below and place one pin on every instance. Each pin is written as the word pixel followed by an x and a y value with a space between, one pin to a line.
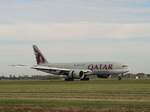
pixel 72 79
pixel 69 79
pixel 120 77
pixel 85 79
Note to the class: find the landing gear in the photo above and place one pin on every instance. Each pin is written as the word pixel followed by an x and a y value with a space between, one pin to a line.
pixel 72 79
pixel 119 78
pixel 85 79
pixel 69 79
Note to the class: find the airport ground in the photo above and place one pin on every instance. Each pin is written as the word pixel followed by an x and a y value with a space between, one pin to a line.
pixel 77 96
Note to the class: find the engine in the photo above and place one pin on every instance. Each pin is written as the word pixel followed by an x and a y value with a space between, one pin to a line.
pixel 76 74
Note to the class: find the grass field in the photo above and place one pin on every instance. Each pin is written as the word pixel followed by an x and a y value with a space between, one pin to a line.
pixel 77 96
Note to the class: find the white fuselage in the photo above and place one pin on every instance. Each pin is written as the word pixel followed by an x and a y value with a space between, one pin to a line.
pixel 101 68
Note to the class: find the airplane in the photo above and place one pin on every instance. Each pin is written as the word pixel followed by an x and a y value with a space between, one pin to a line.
pixel 81 71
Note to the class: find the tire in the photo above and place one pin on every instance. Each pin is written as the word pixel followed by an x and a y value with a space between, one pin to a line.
pixel 85 79
pixel 119 78
pixel 69 79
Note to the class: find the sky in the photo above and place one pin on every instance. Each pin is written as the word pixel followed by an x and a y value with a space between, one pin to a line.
pixel 75 31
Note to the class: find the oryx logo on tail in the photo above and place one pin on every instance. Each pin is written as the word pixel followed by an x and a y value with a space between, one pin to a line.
pixel 39 56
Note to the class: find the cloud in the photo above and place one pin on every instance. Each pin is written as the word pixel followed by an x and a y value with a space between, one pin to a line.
pixel 73 31
pixel 47 11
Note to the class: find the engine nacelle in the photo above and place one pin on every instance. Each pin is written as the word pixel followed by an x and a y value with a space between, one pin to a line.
pixel 76 74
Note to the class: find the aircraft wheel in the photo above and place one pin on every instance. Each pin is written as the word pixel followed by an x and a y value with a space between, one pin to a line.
pixel 85 79
pixel 119 78
pixel 69 79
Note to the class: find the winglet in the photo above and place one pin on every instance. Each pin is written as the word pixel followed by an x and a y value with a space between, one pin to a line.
pixel 40 59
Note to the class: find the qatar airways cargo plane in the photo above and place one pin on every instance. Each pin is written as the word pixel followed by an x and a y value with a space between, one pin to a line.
pixel 80 71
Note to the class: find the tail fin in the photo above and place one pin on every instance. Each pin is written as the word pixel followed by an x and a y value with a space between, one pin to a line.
pixel 40 59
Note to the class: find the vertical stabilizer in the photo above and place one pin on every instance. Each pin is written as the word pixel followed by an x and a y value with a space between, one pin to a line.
pixel 40 59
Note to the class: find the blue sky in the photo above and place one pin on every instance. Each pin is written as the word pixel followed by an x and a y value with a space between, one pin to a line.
pixel 76 30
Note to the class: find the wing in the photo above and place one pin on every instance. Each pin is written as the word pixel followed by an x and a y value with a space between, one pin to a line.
pixel 52 70
pixel 58 71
